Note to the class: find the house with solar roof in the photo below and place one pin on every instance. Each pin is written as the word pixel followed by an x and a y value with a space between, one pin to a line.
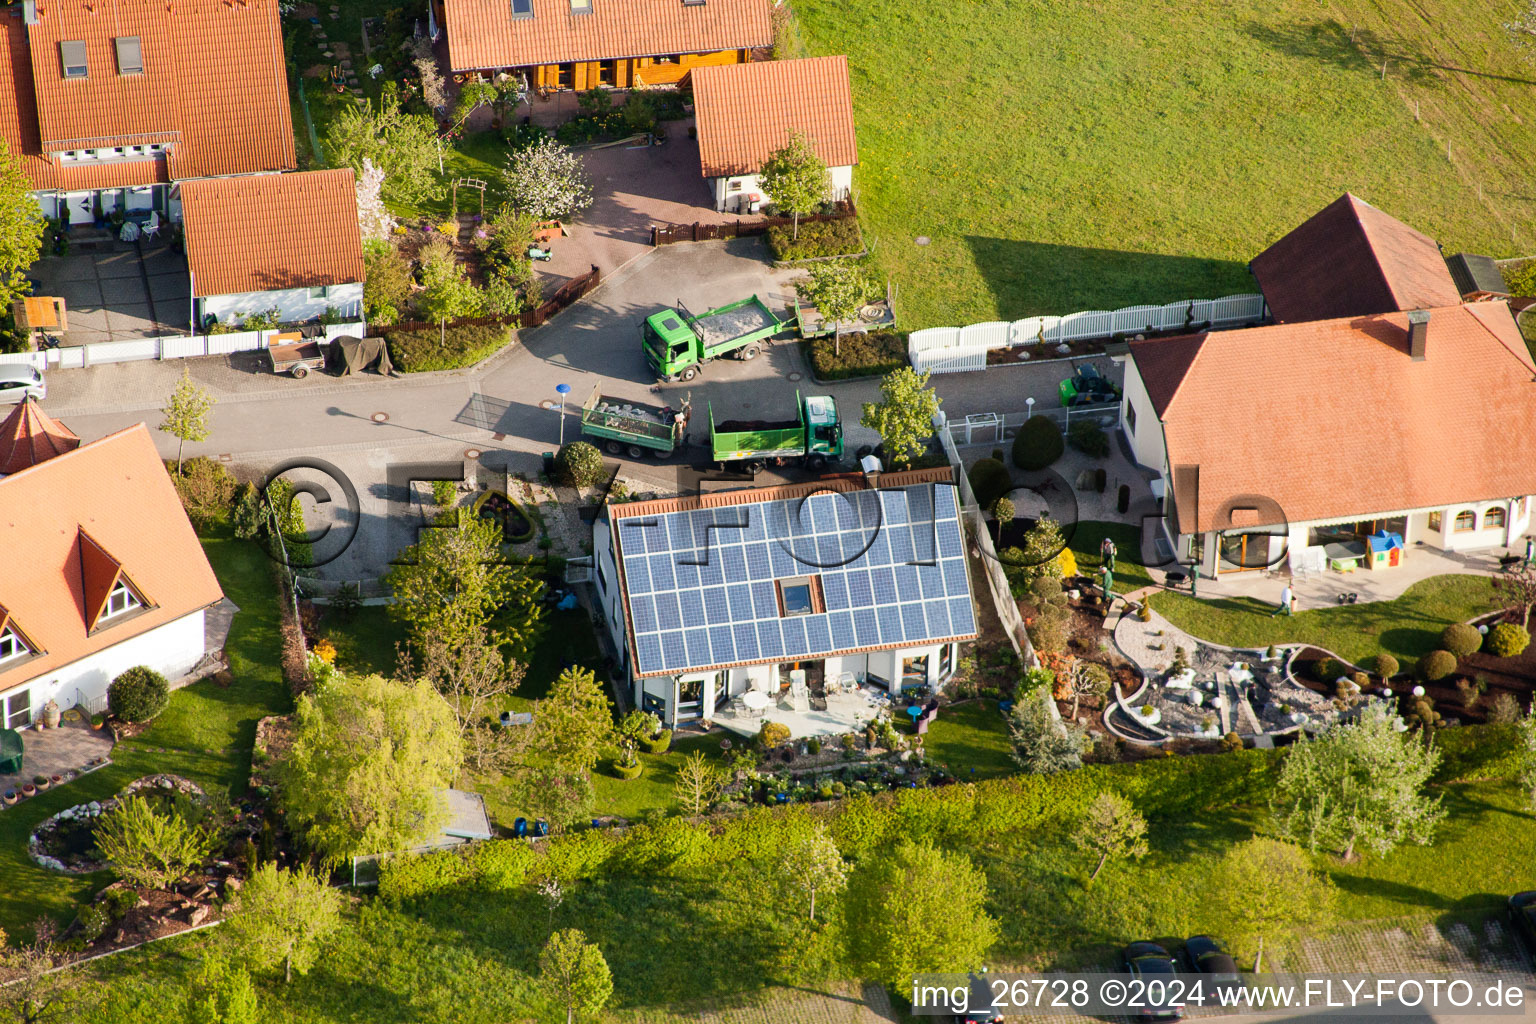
pixel 786 602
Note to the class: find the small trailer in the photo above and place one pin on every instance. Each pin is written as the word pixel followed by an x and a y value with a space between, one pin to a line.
pixel 814 437
pixel 294 355
pixel 879 315
pixel 633 429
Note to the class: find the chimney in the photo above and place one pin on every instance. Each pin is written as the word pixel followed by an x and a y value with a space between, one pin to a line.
pixel 1418 334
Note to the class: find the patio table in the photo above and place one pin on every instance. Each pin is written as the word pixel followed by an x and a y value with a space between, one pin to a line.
pixel 755 700
pixel 916 711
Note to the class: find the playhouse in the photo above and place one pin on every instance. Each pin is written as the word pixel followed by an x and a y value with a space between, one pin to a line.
pixel 1385 550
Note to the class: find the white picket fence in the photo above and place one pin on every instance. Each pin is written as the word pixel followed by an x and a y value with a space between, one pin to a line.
pixel 960 349
pixel 179 347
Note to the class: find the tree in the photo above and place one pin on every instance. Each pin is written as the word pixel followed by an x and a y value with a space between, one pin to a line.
pixel 548 764
pixel 35 992
pixel 368 764
pixel 574 974
pixel 794 177
pixel 579 464
pixel 813 864
pixel 474 677
pixel 1040 744
pixel 434 87
pixel 21 228
pixel 387 285
pixel 374 220
pixel 632 728
pixel 1525 750
pixel 698 782
pixel 837 290
pixel 1358 785
pixel 404 146
pixel 1269 890
pixel 453 582
pixel 222 993
pixel 1003 512
pixel 284 917
pixel 446 292
pixel 1518 584
pixel 1113 830
pixel 1043 545
pixel 152 848
pixel 1089 680
pixel 186 414
pixel 918 909
pixel 547 181
pixel 904 415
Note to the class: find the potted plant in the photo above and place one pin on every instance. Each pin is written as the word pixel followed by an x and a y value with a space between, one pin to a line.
pixel 51 714
pixel 40 781
pixel 27 789
pixel 1270 654
pixel 11 796
pixel 97 721
pixel 57 780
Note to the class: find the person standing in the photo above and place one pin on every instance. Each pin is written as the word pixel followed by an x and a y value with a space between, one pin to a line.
pixel 1287 602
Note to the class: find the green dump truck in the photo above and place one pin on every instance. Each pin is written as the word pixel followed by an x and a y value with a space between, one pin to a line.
pixel 629 428
pixel 676 343
pixel 814 437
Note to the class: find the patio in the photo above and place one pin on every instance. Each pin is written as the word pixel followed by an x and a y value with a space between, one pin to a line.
pixel 68 748
pixel 116 291
pixel 845 712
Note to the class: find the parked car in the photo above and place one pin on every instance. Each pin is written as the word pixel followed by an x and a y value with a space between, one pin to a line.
pixel 980 1007
pixel 1209 956
pixel 1150 962
pixel 1522 917
pixel 19 382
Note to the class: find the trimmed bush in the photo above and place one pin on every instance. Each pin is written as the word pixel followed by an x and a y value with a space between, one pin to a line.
pixel 138 695
pixel 1123 499
pixel 1460 639
pixel 493 866
pixel 628 772
pixel 1037 444
pixel 872 354
pixel 1089 438
pixel 1507 640
pixel 1328 669
pixel 990 480
pixel 415 349
pixel 817 238
pixel 579 464
pixel 1384 665
pixel 658 744
pixel 1436 665
pixel 772 734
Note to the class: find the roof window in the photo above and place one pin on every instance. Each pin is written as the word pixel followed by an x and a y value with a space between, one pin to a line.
pixel 130 56
pixel 121 599
pixel 581 6
pixel 522 9
pixel 693 3
pixel 72 56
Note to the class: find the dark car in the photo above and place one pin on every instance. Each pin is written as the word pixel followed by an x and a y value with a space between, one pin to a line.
pixel 1522 917
pixel 980 1008
pixel 1151 962
pixel 1209 956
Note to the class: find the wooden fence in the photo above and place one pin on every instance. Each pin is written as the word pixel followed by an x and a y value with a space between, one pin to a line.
pixel 666 234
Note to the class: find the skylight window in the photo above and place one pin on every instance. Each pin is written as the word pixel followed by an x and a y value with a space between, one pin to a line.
pixel 581 6
pixel 72 56
pixel 795 596
pixel 522 8
pixel 693 3
pixel 119 601
pixel 130 56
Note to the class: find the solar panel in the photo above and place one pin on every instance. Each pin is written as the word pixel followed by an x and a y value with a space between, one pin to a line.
pixel 717 608
pixel 680 532
pixel 784 563
pixel 962 619
pixel 834 588
pixel 824 511
pixel 734 564
pixel 698 646
pixel 938 618
pixel 667 614
pixel 866 627
pixel 829 551
pixel 950 544
pixel 642 610
pixel 759 565
pixel 954 577
pixel 944 503
pixel 648 653
pixel 746 641
pixel 711 572
pixel 883 580
pixel 847 512
pixel 741 602
pixel 661 572
pixel 794 638
pixel 894 505
pixel 692 603
pixel 841 624
pixel 770 642
pixel 757 526
pixel 673 653
pixel 637 576
pixel 859 593
pixel 818 635
pixel 914 622
pixel 722 645
pixel 632 535
pixel 879 552
pixel 907 587
pixel 766 600
pixel 900 539
pixel 932 579
pixel 890 624
pixel 854 546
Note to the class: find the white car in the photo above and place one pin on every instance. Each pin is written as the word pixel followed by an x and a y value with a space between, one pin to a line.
pixel 19 382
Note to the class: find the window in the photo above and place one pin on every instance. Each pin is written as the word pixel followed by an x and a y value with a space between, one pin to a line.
pixel 565 76
pixel 16 710
pixel 914 671
pixel 946 661
pixel 795 596
pixel 667 60
pixel 1436 522
pixel 1130 419
pixel 693 3
pixel 1494 517
pixel 734 186
pixel 119 601
pixel 581 6
pixel 522 8
pixel 608 70
pixel 11 646
pixel 602 581
pixel 72 56
pixel 1466 521
pixel 322 292
pixel 130 56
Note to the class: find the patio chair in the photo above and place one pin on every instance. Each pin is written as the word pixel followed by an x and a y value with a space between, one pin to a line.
pixel 152 225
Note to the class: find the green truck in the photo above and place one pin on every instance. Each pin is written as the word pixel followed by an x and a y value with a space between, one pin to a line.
pixel 629 428
pixel 814 436
pixel 677 343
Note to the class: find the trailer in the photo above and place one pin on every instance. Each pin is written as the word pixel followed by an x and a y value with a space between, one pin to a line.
pixel 676 343
pixel 814 437
pixel 879 315
pixel 296 357
pixel 633 429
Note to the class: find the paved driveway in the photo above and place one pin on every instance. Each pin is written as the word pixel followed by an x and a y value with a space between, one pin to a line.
pixel 119 292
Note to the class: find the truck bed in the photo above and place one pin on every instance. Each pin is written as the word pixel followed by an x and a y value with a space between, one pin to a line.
pixel 612 414
pixel 719 328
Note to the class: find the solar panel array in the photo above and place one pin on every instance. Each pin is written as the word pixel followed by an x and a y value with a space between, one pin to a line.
pixel 701 582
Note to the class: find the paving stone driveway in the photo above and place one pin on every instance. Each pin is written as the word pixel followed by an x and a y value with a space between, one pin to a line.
pixel 118 292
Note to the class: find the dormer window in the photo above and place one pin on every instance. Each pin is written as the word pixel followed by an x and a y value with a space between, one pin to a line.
pixel 130 55
pixel 12 646
pixel 72 56
pixel 121 600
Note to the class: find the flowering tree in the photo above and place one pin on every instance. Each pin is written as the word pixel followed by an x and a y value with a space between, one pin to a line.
pixel 547 181
pixel 795 177
pixel 373 217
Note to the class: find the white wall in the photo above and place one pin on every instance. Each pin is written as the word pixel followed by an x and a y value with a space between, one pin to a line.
pixel 291 303
pixel 1147 439
pixel 840 183
pixel 1450 539
pixel 172 650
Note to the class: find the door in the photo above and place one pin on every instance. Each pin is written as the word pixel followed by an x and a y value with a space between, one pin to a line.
pixel 16 710
pixel 80 207
pixel 1244 551
pixel 690 699
pixel 141 199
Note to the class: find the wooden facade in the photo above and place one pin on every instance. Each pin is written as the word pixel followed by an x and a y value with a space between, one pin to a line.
pixel 622 74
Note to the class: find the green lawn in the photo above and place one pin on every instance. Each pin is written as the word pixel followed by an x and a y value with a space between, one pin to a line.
pixel 1406 628
pixel 972 740
pixel 205 734
pixel 1092 154
pixel 1085 540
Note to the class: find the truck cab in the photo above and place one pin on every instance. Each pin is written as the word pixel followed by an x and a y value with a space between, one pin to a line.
pixel 668 343
pixel 824 427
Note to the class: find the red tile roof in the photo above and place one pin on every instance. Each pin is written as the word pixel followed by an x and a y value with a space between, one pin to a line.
pixel 482 34
pixel 29 436
pixel 1333 418
pixel 113 495
pixel 214 86
pixel 306 222
pixel 746 111
pixel 1350 259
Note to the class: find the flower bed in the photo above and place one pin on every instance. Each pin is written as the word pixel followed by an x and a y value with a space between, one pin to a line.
pixel 66 841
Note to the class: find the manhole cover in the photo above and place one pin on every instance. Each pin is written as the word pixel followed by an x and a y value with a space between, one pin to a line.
pixel 380 417
pixel 795 376
pixel 923 239
pixel 471 453
pixel 546 404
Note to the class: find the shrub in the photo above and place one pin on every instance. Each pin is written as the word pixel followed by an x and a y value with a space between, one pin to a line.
pixel 1123 499
pixel 1384 665
pixel 1460 639
pixel 657 744
pixel 817 238
pixel 1327 669
pixel 1360 679
pixel 990 480
pixel 1521 278
pixel 1506 640
pixel 206 489
pixel 872 354
pixel 1037 444
pixel 772 734
pixel 628 771
pixel 92 921
pixel 580 464
pixel 813 746
pixel 1436 665
pixel 414 349
pixel 1089 438
pixel 138 695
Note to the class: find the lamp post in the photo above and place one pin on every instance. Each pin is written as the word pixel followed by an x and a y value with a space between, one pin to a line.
pixel 1029 407
pixel 563 389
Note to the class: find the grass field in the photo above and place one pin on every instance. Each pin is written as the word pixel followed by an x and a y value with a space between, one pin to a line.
pixel 1091 154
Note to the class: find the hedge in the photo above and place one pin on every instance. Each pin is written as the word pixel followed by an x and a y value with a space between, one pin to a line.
pixel 414 350
pixel 817 238
pixel 1470 753
pixel 869 354
pixel 990 480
